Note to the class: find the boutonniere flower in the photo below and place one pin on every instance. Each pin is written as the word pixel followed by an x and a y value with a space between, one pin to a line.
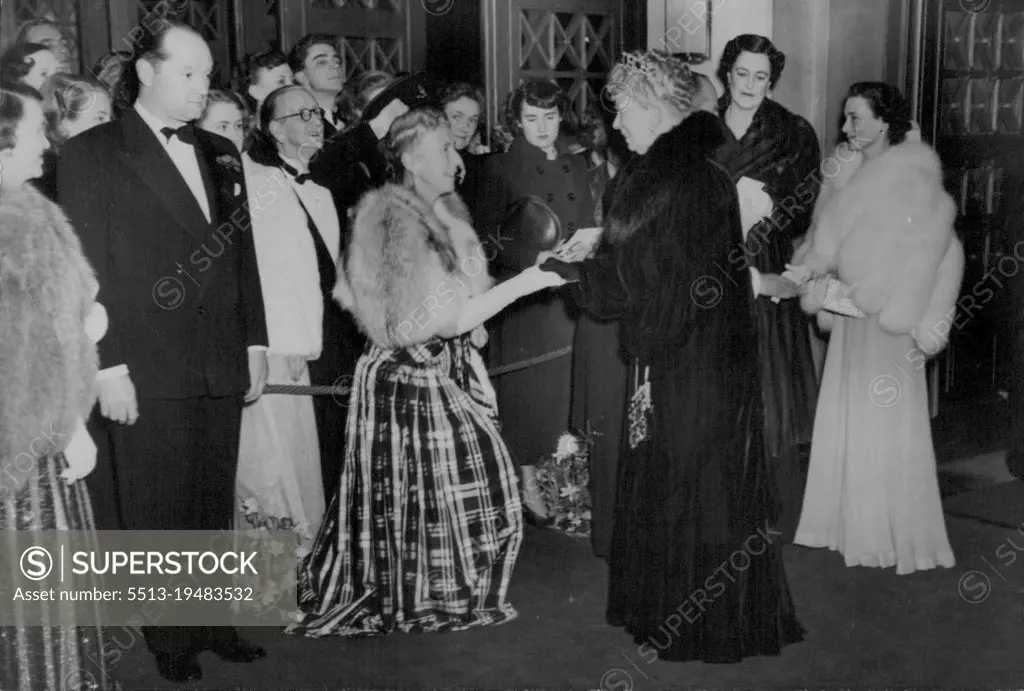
pixel 230 161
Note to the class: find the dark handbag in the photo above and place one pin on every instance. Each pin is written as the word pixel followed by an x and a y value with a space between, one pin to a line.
pixel 529 228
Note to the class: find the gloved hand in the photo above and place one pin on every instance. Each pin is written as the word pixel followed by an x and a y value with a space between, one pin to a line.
pixel 569 272
pixel 80 454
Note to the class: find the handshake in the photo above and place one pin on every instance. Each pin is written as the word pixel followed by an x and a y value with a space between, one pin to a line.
pixel 570 273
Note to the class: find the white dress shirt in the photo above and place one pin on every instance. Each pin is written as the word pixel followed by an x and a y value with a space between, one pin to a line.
pixel 183 156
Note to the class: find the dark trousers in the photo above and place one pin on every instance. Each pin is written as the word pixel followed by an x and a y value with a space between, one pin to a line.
pixel 343 344
pixel 331 417
pixel 175 470
pixel 102 481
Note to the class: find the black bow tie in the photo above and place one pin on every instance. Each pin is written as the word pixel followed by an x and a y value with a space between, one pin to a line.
pixel 299 179
pixel 185 133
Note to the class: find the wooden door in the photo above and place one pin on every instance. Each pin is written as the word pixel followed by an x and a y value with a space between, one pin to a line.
pixel 971 88
pixel 574 42
pixel 387 35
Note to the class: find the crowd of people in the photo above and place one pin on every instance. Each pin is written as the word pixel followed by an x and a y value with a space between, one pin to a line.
pixel 167 250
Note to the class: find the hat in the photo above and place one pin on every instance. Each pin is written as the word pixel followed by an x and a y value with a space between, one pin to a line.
pixel 529 228
pixel 414 90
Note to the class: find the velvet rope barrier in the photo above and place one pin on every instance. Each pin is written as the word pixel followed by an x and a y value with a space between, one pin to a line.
pixel 343 385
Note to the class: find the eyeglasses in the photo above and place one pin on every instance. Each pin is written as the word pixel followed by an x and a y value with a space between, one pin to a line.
pixel 306 114
pixel 462 119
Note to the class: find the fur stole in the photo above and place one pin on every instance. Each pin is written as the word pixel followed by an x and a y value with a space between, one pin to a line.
pixel 650 184
pixel 403 263
pixel 885 227
pixel 47 362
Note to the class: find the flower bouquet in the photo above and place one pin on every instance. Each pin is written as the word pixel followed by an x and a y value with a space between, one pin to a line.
pixel 564 480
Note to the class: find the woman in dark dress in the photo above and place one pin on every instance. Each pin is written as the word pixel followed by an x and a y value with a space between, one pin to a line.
pixel 533 401
pixel 694 573
pixel 768 144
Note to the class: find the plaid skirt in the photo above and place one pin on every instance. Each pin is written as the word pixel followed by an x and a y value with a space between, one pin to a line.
pixel 426 525
pixel 68 655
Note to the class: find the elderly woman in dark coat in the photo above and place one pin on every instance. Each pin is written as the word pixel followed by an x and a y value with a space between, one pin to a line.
pixel 533 400
pixel 48 363
pixel 694 573
pixel 770 146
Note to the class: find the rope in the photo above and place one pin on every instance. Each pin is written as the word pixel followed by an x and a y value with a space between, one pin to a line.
pixel 529 362
pixel 343 389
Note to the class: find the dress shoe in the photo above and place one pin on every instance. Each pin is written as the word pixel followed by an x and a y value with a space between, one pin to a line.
pixel 180 669
pixel 238 650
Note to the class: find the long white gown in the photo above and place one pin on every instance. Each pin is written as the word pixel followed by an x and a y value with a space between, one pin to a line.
pixel 279 484
pixel 872 490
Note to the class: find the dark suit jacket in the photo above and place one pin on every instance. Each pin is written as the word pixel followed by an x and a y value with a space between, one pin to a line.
pixel 349 165
pixel 183 294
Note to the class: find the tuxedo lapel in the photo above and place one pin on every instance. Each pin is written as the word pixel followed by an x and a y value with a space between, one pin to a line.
pixel 146 157
pixel 205 155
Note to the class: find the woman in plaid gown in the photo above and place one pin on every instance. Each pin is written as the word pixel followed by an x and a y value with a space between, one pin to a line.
pixel 425 528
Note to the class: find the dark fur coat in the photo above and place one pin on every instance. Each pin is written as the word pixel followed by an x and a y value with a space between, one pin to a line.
pixel 48 364
pixel 403 265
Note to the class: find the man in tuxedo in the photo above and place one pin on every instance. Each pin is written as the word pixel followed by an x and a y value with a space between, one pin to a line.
pixel 160 208
pixel 317 66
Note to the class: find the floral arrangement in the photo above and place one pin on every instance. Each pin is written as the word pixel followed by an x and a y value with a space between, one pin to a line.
pixel 257 519
pixel 564 480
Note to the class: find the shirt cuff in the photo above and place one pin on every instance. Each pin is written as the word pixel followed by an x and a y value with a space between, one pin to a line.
pixel 258 348
pixel 111 372
pixel 755 281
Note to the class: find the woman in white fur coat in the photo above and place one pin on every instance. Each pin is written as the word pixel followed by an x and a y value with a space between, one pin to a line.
pixel 425 528
pixel 884 226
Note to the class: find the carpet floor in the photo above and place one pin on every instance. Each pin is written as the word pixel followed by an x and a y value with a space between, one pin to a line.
pixel 958 627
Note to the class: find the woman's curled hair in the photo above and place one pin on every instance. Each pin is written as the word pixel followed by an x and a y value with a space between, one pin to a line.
pixel 67 97
pixel 17 62
pixel 751 43
pixel 12 112
pixel 406 132
pixel 888 104
pixel 538 93
pixel 655 76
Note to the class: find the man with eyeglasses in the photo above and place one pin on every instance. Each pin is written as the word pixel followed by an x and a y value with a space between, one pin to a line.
pixel 317 66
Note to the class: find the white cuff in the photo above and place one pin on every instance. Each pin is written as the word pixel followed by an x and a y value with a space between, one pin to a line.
pixel 111 372
pixel 755 281
pixel 258 348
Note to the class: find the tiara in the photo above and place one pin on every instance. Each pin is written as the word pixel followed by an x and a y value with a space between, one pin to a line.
pixel 641 62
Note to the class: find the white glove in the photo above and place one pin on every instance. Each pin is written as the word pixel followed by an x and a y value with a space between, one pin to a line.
pixel 80 454
pixel 755 203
